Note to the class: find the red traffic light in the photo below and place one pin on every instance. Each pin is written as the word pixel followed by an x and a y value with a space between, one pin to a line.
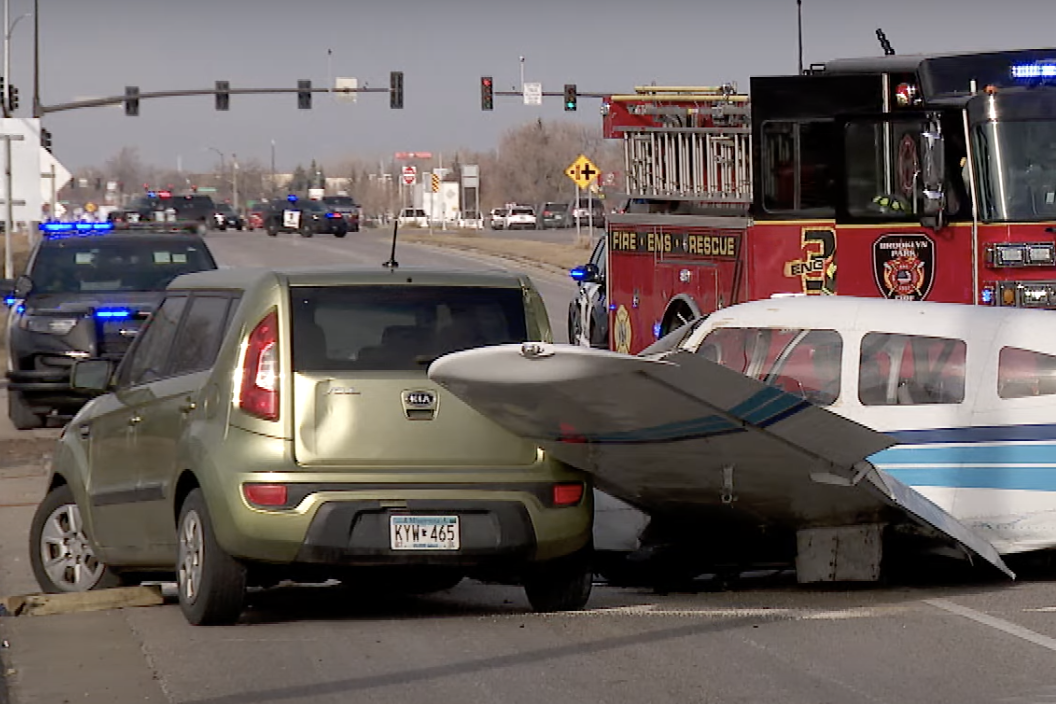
pixel 486 81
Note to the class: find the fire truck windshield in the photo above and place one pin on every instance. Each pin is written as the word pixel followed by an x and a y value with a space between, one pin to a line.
pixel 1016 169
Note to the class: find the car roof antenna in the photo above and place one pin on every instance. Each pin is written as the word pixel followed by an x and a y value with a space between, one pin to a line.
pixel 392 263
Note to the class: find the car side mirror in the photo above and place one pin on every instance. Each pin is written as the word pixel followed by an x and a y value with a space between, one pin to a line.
pixel 23 286
pixel 92 375
pixel 587 273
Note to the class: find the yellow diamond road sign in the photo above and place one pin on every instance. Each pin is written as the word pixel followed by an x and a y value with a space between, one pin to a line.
pixel 582 171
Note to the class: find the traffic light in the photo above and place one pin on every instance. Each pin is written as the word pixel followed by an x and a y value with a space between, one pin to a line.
pixel 45 139
pixel 223 97
pixel 570 96
pixel 131 101
pixel 396 90
pixel 12 98
pixel 487 99
pixel 304 95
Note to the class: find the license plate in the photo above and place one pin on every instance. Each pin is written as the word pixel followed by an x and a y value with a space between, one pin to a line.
pixel 424 532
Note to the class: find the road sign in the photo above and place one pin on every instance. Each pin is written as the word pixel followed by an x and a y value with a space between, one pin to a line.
pixel 533 93
pixel 410 175
pixel 436 183
pixel 341 84
pixel 582 171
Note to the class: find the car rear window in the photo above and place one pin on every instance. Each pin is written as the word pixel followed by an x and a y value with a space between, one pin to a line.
pixel 398 328
pixel 93 264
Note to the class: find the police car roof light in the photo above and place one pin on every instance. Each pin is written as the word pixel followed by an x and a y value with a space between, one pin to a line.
pixel 1040 70
pixel 292 198
pixel 60 228
pixel 113 313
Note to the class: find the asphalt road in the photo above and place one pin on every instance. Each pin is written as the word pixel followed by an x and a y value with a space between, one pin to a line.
pixel 944 638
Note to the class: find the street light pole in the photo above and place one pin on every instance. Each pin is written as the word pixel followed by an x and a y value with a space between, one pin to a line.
pixel 234 180
pixel 36 58
pixel 223 167
pixel 274 186
pixel 799 24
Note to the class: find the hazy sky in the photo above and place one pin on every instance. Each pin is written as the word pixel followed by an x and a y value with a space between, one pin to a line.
pixel 92 48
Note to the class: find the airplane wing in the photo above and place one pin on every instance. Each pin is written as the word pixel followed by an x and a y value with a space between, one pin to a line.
pixel 678 435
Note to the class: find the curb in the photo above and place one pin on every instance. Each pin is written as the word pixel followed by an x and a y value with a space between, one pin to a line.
pixel 75 602
pixel 526 261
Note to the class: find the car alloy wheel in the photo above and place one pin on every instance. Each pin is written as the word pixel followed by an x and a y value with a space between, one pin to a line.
pixel 68 557
pixel 61 552
pixel 189 575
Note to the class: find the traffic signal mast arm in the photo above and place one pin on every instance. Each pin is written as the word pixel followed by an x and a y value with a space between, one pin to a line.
pixel 120 99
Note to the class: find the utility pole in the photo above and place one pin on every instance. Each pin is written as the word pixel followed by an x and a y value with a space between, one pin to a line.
pixel 9 209
pixel 799 23
pixel 234 180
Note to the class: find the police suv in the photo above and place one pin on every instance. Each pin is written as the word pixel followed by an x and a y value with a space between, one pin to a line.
pixel 86 292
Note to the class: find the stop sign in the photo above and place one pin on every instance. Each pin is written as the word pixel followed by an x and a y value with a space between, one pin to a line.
pixel 410 175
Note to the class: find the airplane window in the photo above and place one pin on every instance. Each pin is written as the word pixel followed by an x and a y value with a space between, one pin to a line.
pixel 910 370
pixel 803 362
pixel 1023 373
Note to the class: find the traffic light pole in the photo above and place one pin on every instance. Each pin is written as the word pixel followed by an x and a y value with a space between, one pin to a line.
pixel 120 99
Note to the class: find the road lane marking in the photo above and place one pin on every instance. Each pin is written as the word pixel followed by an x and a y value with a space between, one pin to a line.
pixel 737 612
pixel 994 622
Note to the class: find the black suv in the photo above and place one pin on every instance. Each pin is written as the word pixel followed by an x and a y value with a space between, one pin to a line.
pixel 306 217
pixel 84 296
pixel 163 210
pixel 348 208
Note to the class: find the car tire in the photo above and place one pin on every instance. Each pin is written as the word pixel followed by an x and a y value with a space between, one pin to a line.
pixel 563 584
pixel 340 233
pixel 60 549
pixel 211 583
pixel 272 231
pixel 21 413
pixel 306 230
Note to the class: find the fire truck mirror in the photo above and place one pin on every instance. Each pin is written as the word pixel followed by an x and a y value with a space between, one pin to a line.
pixel 933 176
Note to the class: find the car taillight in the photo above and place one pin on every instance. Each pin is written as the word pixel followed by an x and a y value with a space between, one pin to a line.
pixel 265 494
pixel 260 370
pixel 568 494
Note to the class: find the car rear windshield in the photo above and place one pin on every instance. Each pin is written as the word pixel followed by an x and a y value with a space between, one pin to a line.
pixel 398 328
pixel 93 264
pixel 340 201
pixel 522 211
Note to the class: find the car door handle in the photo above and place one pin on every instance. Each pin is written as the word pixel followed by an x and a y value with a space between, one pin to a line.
pixel 135 420
pixel 84 431
pixel 188 407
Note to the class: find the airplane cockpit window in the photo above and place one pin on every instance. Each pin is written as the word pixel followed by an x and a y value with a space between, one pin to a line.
pixel 1023 373
pixel 807 363
pixel 910 370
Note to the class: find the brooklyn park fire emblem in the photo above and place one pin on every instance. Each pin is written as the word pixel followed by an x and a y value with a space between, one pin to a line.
pixel 904 266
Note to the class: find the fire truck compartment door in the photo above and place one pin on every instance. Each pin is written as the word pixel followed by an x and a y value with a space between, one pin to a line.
pixel 678 433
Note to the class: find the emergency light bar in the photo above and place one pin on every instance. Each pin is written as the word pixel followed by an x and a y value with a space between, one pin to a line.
pixel 78 227
pixel 1024 71
pixel 113 313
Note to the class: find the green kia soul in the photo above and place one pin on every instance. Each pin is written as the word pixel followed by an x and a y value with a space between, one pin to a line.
pixel 279 424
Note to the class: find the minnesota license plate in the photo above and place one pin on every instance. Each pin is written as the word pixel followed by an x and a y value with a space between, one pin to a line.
pixel 424 532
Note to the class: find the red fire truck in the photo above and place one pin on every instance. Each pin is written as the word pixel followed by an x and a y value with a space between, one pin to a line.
pixel 904 177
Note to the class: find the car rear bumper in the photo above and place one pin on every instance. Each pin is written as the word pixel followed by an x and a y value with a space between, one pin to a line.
pixel 347 524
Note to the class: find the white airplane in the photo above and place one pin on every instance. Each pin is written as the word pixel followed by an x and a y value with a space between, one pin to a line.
pixel 819 429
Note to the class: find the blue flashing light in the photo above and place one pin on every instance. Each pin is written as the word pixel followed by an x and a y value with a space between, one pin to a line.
pixel 113 313
pixel 292 198
pixel 578 274
pixel 988 296
pixel 21 309
pixel 63 228
pixel 656 330
pixel 152 194
pixel 333 215
pixel 1028 71
pixel 10 301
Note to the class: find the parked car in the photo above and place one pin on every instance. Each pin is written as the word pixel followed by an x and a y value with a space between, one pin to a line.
pixel 255 220
pixel 83 296
pixel 589 212
pixel 588 313
pixel 415 217
pixel 226 216
pixel 272 472
pixel 190 212
pixel 521 217
pixel 497 218
pixel 305 217
pixel 348 208
pixel 555 215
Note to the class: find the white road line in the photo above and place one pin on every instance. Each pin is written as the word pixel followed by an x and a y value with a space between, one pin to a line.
pixel 994 622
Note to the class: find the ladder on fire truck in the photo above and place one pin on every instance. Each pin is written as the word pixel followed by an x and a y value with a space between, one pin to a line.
pixel 698 147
